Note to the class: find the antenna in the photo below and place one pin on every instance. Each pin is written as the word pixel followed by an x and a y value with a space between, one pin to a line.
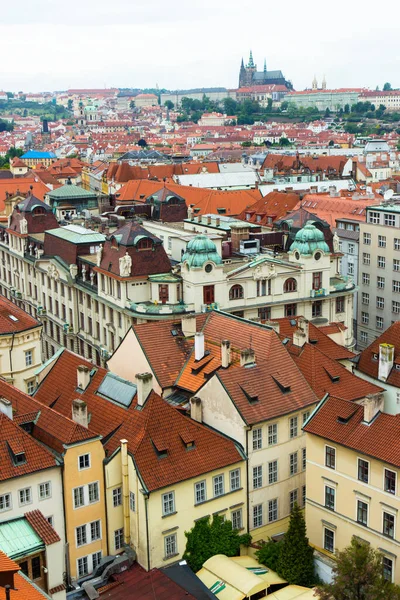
pixel 388 194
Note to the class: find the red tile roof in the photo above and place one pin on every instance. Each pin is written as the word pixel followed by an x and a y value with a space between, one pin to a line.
pixel 42 527
pixel 370 366
pixel 379 439
pixel 274 204
pixel 13 319
pixel 7 564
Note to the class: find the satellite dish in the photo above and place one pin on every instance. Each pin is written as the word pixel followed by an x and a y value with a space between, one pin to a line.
pixel 388 194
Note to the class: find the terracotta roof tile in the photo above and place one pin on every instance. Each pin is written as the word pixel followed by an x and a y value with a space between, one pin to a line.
pixel 13 319
pixel 42 527
pixel 370 366
pixel 23 590
pixel 7 564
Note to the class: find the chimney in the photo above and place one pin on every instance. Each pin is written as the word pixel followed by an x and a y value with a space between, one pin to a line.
pixel 196 410
pixel 6 407
pixel 247 358
pixel 83 373
pixel 300 335
pixel 209 220
pixel 372 405
pixel 80 412
pixel 238 233
pixel 199 219
pixel 273 325
pixel 188 324
pixel 7 588
pixel 217 222
pixel 199 346
pixel 386 359
pixel 144 384
pixel 225 353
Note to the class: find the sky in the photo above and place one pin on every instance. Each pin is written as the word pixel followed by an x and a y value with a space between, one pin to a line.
pixel 50 45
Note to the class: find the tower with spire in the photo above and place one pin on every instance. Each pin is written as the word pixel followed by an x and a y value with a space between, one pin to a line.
pixel 249 76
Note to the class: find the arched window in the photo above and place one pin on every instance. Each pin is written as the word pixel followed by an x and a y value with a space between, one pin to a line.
pixel 236 292
pixel 144 244
pixel 290 285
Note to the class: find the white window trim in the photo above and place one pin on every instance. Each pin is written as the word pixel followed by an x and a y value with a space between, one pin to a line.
pixel 323 538
pixel 11 502
pixel 230 480
pixel 389 511
pixel 383 483
pixel 19 496
pixel 90 461
pixel 46 497
pixel 172 512
pixel 369 470
pixel 205 492
pixel 101 531
pixel 98 488
pixel 365 501
pixel 223 485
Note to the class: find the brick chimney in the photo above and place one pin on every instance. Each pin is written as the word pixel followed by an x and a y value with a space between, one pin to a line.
pixel 6 407
pixel 196 409
pixel 225 353
pixel 188 324
pixel 247 357
pixel 238 233
pixel 83 374
pixel 80 412
pixel 144 383
pixel 199 346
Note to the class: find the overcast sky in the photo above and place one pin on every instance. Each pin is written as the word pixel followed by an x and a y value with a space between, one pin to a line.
pixel 52 45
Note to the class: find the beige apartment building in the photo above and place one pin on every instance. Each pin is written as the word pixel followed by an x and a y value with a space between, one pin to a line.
pixel 379 272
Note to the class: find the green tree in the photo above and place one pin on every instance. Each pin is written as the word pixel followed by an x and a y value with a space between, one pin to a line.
pixel 269 104
pixel 70 104
pixel 207 538
pixel 346 109
pixel 230 106
pixel 132 104
pixel 327 112
pixel 358 575
pixel 296 560
pixel 269 554
pixel 142 143
pixel 284 142
pixel 387 87
pixel 168 104
pixel 284 105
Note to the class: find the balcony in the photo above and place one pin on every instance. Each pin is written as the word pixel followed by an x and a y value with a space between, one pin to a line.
pixel 151 309
pixel 318 293
pixel 341 283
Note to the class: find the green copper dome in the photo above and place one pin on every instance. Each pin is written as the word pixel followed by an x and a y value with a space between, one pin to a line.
pixel 201 250
pixel 308 240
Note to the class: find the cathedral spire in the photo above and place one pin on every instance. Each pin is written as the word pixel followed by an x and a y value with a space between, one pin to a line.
pixel 251 61
pixel 265 66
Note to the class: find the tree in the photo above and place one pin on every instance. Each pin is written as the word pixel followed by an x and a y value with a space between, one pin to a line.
pixel 327 112
pixel 132 104
pixel 296 560
pixel 331 143
pixel 70 104
pixel 346 109
pixel 284 142
pixel 142 143
pixel 269 104
pixel 230 106
pixel 269 554
pixel 358 575
pixel 387 87
pixel 168 104
pixel 207 538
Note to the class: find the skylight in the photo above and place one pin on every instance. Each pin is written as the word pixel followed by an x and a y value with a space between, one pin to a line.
pixel 13 318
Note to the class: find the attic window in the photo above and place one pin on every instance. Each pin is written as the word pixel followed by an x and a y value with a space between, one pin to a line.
pixel 144 244
pixel 313 342
pixel 174 332
pixel 196 210
pixel 160 448
pixel 188 440
pixel 375 356
pixel 19 459
pixel 284 386
pixel 141 196
pixel 397 367
pixel 334 378
pixel 252 398
pixel 221 211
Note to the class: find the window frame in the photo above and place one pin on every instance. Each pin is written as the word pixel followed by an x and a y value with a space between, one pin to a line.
pixel 84 456
pixel 199 483
pixel 359 466
pixel 327 450
pixel 168 503
pixel 220 476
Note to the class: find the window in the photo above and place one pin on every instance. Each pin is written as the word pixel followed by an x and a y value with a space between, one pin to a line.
pixel 272 510
pixel 81 538
pixel 290 310
pixel 96 559
pixel 366 279
pixel 95 531
pixel 218 484
pixel 382 241
pixel 396 243
pixel 316 309
pixel 25 496
pixel 257 438
pixel 363 470
pixel 257 515
pixel 272 434
pixel 389 220
pixel 236 518
pixel 263 287
pixel 373 217
pixel 380 283
pixel 362 512
pixel 118 539
pixel 44 490
pixel 84 461
pixel 293 427
pixel 293 463
pixel 330 497
pixel 396 264
pixel 380 302
pixel 292 499
pixel 24 567
pixel 366 258
pixel 30 386
pixel 365 318
pixel 365 298
pixel 340 304
pixel 387 564
pixel 381 262
pixel 168 503
pixel 83 568
pixel 200 492
pixel 305 416
pixel 235 479
pixel 236 292
pixel 317 280
pixel 303 494
pixel 330 457
pixel 257 477
pixel 117 497
pixel 5 502
pixel 364 337
pixel 290 285
pixel 350 248
pixel 304 458
pixel 329 540
pixel 93 492
pixel 264 313
pixel 272 472
pixel 78 497
pixel 388 524
pixel 170 545
pixel 36 568
pixel 395 306
pixel 132 501
pixel 379 322
pixel 396 286
pixel 367 239
pixel 28 358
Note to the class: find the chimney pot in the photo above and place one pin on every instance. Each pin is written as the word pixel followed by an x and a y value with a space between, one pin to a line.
pixel 144 384
pixel 80 412
pixel 6 407
pixel 199 346
pixel 225 353
pixel 83 374
pixel 196 409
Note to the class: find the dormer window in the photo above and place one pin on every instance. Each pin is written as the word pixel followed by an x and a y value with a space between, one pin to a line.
pixel 144 244
pixel 19 459
pixel 114 244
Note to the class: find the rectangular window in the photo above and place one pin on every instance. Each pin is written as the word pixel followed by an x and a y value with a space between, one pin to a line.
pixel 257 477
pixel 257 438
pixel 395 307
pixel 381 262
pixel 380 283
pixel 303 458
pixel 329 540
pixel 293 427
pixel 387 564
pixel 380 302
pixel 168 503
pixel 272 510
pixel 292 499
pixel 388 525
pixel 363 470
pixel 94 494
pixel 396 264
pixel 367 239
pixel 364 318
pixel 170 545
pixel 272 472
pixel 5 502
pixel 236 518
pixel 396 244
pixel 30 386
pixel 83 568
pixel 389 220
pixel 272 434
pixel 28 358
pixel 218 485
pixel 36 568
pixel 79 499
pixel 366 279
pixel 317 280
pixel 235 479
pixel 95 531
pixel 290 310
pixel 96 559
pixel 340 304
pixel 25 496
pixel 44 490
pixel 305 416
pixel 118 539
pixel 364 337
pixel 257 515
pixel 362 512
pixel 84 461
pixel 132 501
pixel 200 492
pixel 303 494
pixel 379 322
pixel 350 248
pixel 382 241
pixel 316 309
pixel 81 537
pixel 350 268
pixel 366 258
pixel 374 217
pixel 293 463
pixel 396 286
pixel 117 497
pixel 365 298
pixel 330 497
pixel 330 457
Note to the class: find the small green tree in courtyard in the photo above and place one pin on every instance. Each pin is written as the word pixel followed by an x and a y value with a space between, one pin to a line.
pixel 296 560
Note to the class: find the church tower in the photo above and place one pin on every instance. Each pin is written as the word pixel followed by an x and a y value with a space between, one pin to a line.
pixel 324 83
pixel 315 83
pixel 242 75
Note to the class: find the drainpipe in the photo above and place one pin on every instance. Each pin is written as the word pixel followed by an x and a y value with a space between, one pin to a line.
pixel 11 349
pixel 125 491
pixel 248 429
pixel 146 498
